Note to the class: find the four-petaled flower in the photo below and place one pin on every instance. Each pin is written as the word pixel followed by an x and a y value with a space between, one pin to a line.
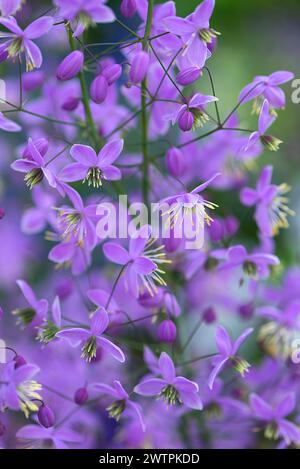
pixel 228 354
pixel 92 338
pixel 173 389
pixel 91 167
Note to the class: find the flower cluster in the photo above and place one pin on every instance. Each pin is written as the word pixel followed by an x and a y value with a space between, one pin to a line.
pixel 149 339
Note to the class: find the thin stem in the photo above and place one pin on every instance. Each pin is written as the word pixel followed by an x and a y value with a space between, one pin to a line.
pixel 196 359
pixel 85 99
pixel 166 71
pixel 192 334
pixel 115 285
pixel 58 393
pixel 144 119
pixel 240 102
pixel 20 83
pixel 129 29
pixel 57 155
pixel 214 93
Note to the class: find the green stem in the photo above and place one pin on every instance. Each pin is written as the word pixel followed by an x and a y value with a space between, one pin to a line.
pixel 85 99
pixel 144 119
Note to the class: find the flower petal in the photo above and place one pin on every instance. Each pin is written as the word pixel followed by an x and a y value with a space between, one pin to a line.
pixel 74 336
pixel 84 154
pixel 99 321
pixel 112 349
pixel 150 387
pixel 110 152
pixel 167 367
pixel 116 253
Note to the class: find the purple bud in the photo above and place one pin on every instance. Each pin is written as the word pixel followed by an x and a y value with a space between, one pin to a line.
pixel 186 121
pixel 99 89
pixel 81 396
pixel 231 226
pixel 188 76
pixel 70 66
pixel 171 305
pixel 112 73
pixel 139 67
pixel 2 213
pixel 175 162
pixel 172 244
pixel 19 361
pixel 46 416
pixel 128 8
pixel 65 288
pixel 2 429
pixel 209 315
pixel 216 231
pixel 32 80
pixel 246 310
pixel 148 300
pixel 167 331
pixel 71 103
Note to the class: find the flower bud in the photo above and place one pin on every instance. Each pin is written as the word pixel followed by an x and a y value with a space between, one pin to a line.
pixel 70 66
pixel 209 315
pixel 167 331
pixel 216 231
pixel 186 121
pixel 188 76
pixel 2 429
pixel 81 396
pixel 99 89
pixel 171 305
pixel 71 103
pixel 148 300
pixel 2 213
pixel 19 361
pixel 172 244
pixel 128 8
pixel 231 225
pixel 139 67
pixel 112 73
pixel 32 80
pixel 175 162
pixel 46 416
pixel 246 311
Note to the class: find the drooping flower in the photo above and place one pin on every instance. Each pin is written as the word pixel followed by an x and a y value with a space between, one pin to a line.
pixel 17 388
pixel 91 167
pixel 273 417
pixel 50 327
pixel 35 436
pixel 19 41
pixel 122 404
pixel 264 122
pixel 228 354
pixel 7 125
pixel 33 164
pixel 141 260
pixel 171 388
pixel 271 210
pixel 266 87
pixel 84 13
pixel 277 335
pixel 37 310
pixel 192 114
pixel 92 338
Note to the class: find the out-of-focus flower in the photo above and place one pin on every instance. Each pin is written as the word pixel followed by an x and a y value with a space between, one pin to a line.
pixel 7 125
pixel 19 41
pixel 37 310
pixel 60 437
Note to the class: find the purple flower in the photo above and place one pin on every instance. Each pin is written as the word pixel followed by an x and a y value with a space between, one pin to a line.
pixel 99 89
pixel 276 425
pixel 171 388
pixel 60 437
pixel 271 210
pixel 252 264
pixel 122 404
pixel 141 261
pixel 266 87
pixel 46 416
pixel 70 66
pixel 19 41
pixel 92 167
pixel 8 125
pixel 265 121
pixel 35 219
pixel 10 7
pixel 37 310
pixel 192 114
pixel 17 388
pixel 33 164
pixel 128 8
pixel 49 328
pixel 228 354
pixel 70 253
pixel 84 13
pixel 139 67
pixel 92 338
pixel 195 32
pixel 175 162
